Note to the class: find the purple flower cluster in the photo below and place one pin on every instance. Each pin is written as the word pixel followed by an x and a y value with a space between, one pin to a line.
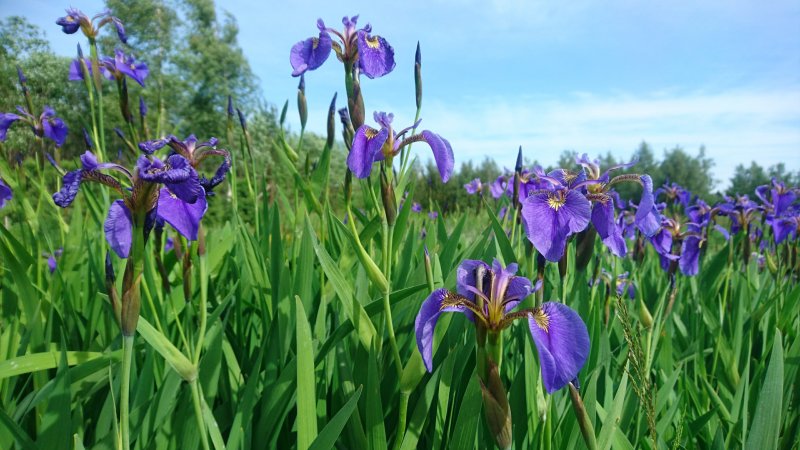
pixel 561 203
pixel 168 190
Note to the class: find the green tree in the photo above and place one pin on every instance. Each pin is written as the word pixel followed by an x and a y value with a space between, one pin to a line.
pixel 691 172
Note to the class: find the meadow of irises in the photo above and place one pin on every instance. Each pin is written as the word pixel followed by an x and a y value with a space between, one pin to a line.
pixel 586 320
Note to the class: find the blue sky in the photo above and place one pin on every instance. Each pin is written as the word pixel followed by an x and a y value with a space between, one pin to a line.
pixel 550 76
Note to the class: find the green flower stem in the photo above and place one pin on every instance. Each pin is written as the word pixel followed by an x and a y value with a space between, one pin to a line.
pixel 124 414
pixel 198 412
pixel 401 420
pixel 101 143
pixel 202 310
pixel 388 231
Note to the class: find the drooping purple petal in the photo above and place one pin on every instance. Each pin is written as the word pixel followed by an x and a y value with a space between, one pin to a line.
pixel 310 53
pixel 119 228
pixel 442 154
pixel 647 217
pixel 562 342
pixel 607 227
pixel 150 147
pixel 375 55
pixel 6 119
pixel 69 188
pixel 72 21
pixel 76 70
pixel 127 65
pixel 367 145
pixel 184 217
pixel 689 261
pixel 53 127
pixel 425 323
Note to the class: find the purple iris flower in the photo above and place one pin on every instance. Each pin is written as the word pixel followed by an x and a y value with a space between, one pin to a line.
pixel 740 210
pixel 123 64
pixel 489 295
pixel 370 145
pixel 46 125
pixel 625 285
pixel 433 215
pixel 375 55
pixel 52 262
pixel 675 194
pixel 5 193
pixel 76 20
pixel 776 198
pixel 550 216
pixel 416 207
pixel 498 186
pixel 678 249
pixel 73 21
pixel 195 153
pixel 474 186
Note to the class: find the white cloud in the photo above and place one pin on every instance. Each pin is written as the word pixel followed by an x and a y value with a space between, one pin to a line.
pixel 735 126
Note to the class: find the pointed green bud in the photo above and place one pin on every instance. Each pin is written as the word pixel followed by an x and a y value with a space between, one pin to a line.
pixel 283 112
pixel 387 195
pixel 585 424
pixel 302 105
pixel 644 315
pixel 418 76
pixel 585 248
pixel 331 123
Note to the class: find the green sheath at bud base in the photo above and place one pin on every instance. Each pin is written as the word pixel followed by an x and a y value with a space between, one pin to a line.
pixel 496 408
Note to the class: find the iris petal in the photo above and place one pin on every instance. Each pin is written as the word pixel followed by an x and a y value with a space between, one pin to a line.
pixel 562 342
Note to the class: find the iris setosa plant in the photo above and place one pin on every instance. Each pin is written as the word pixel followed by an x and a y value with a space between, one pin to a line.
pixel 489 296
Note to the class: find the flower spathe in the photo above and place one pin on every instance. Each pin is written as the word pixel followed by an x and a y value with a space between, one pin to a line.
pixel 489 295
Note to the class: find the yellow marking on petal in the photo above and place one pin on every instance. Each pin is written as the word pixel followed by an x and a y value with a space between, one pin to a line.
pixel 542 319
pixel 370 133
pixel 450 300
pixel 569 176
pixel 555 201
pixel 314 43
pixel 373 42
